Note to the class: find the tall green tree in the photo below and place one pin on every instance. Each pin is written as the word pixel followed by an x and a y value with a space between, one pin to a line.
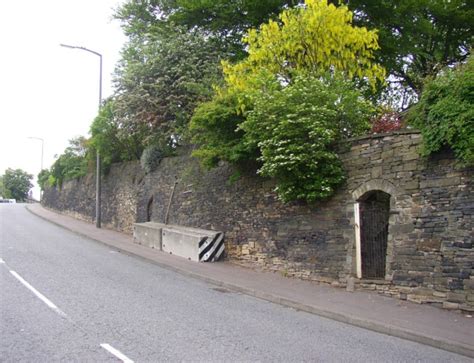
pixel 16 184
pixel 417 38
pixel 161 78
pixel 3 192
pixel 226 21
pixel 314 38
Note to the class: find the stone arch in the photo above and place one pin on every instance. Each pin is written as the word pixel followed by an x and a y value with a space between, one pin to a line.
pixel 149 209
pixel 376 184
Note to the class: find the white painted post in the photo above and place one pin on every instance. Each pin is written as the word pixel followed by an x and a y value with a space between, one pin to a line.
pixel 357 240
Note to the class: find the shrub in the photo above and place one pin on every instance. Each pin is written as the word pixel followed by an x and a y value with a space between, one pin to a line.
pixel 214 126
pixel 72 163
pixel 43 178
pixel 151 158
pixel 296 128
pixel 445 112
pixel 113 143
pixel 387 121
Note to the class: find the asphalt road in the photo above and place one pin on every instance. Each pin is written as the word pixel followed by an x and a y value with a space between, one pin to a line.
pixel 67 298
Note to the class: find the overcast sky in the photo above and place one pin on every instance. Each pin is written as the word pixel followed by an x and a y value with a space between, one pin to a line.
pixel 47 91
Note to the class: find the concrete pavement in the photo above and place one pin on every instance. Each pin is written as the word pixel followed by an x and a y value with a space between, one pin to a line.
pixel 420 323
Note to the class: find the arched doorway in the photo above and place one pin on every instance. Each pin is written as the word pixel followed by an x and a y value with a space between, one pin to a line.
pixel 149 209
pixel 374 212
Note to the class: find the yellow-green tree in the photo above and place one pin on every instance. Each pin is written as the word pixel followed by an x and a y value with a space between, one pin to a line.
pixel 314 37
pixel 293 99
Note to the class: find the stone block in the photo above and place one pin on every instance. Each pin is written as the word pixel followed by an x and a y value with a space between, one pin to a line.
pixel 402 228
pixel 412 185
pixel 439 183
pixel 467 309
pixel 415 298
pixel 440 294
pixel 456 297
pixel 387 154
pixel 450 306
pixel 469 283
pixel 376 172
pixel 350 286
pixel 410 166
pixel 429 244
pixel 455 284
pixel 411 155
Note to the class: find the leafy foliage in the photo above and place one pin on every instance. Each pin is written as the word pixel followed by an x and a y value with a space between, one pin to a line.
pixel 445 112
pixel 214 127
pixel 16 184
pixel 417 37
pixel 387 121
pixel 113 142
pixel 151 158
pixel 319 36
pixel 44 178
pixel 3 192
pixel 296 129
pixel 162 77
pixel 292 99
pixel 73 163
pixel 224 21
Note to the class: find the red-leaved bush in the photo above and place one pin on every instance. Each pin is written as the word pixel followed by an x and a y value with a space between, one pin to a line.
pixel 386 122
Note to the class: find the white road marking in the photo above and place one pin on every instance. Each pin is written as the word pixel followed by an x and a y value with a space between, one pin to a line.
pixel 58 311
pixel 116 353
pixel 38 294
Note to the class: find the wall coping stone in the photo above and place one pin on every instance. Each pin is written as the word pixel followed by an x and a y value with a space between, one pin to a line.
pixel 385 134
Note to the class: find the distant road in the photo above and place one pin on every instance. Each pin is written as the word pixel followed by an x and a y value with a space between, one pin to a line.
pixel 67 298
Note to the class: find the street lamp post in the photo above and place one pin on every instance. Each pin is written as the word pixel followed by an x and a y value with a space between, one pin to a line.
pixel 42 148
pixel 42 159
pixel 97 180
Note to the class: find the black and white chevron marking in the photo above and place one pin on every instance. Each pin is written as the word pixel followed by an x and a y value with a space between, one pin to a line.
pixel 211 248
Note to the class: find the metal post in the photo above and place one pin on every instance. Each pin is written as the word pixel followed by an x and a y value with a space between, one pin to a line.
pixel 42 154
pixel 98 184
pixel 42 157
pixel 98 187
pixel 98 193
pixel 42 147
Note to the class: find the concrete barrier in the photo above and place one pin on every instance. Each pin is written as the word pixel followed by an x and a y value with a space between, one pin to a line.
pixel 148 234
pixel 192 243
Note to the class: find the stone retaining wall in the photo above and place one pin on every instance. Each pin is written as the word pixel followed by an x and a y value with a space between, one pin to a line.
pixel 429 250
